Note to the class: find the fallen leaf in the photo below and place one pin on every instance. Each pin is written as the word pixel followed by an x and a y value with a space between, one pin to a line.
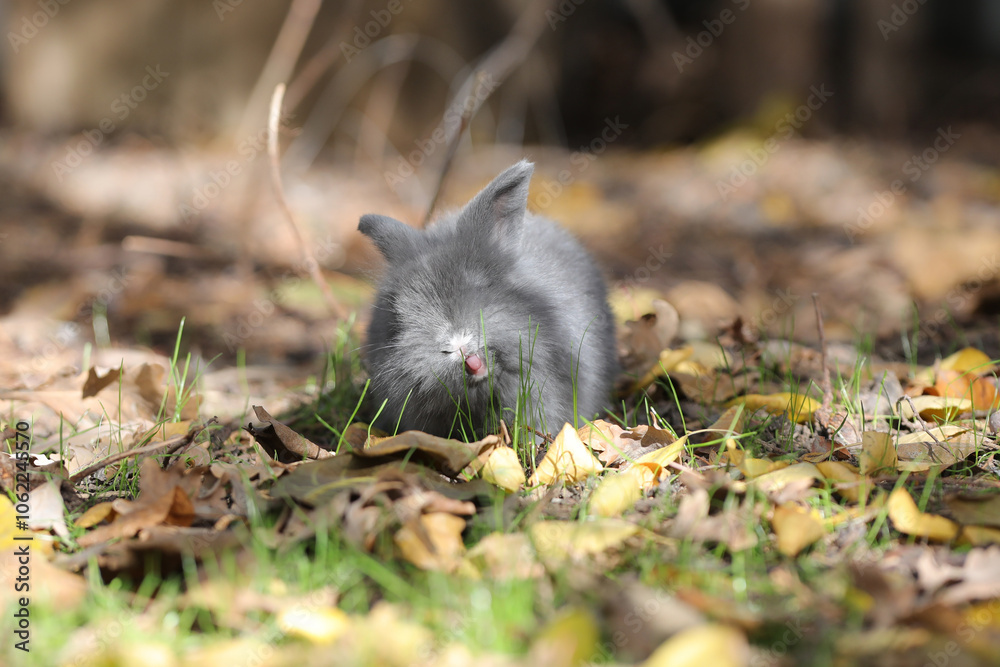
pixel 796 528
pixel 908 519
pixel 503 469
pixel 323 625
pixel 434 542
pixel 797 407
pixel 617 493
pixel 878 453
pixel 568 640
pixel 558 541
pixel 567 460
pixel 975 510
pixel 709 644
pixel 929 407
pixel 846 480
pixel 778 479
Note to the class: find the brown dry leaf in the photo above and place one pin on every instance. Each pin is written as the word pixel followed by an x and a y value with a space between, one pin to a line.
pixel 503 469
pixel 908 519
pixel 603 438
pixel 878 453
pixel 448 456
pixel 733 528
pixel 161 500
pixel 567 460
pixel 975 510
pixel 709 644
pixel 920 451
pixel 281 442
pixel 96 514
pixel 797 407
pixel 95 383
pixel 981 572
pixel 434 542
pixel 796 528
pixel 558 541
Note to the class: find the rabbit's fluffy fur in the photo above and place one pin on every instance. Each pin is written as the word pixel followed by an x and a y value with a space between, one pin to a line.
pixel 489 311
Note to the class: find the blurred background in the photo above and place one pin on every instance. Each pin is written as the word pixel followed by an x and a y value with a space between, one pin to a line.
pixel 732 156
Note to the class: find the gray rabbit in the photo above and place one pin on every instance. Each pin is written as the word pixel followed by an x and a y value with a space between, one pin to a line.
pixel 491 312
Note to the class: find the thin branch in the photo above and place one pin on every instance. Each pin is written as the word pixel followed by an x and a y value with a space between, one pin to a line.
pixel 485 79
pixel 281 61
pixel 171 445
pixel 312 266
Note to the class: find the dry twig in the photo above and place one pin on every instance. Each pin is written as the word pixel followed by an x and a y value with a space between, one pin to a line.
pixel 312 266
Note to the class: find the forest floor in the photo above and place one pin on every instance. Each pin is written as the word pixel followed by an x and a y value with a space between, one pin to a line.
pixel 802 468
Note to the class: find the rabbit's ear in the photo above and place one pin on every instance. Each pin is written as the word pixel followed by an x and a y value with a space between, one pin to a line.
pixel 501 205
pixel 395 240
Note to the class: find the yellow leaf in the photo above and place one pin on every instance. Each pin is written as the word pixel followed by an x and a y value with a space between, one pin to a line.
pixel 557 541
pixel 878 453
pixel 444 531
pixel 796 528
pixel 616 493
pixel 908 519
pixel 503 469
pixel 979 536
pixel 967 359
pixel 847 482
pixel 779 479
pixel 702 646
pixel 936 407
pixel 668 362
pixel 568 640
pixel 752 468
pixel 797 407
pixel 732 420
pixel 320 626
pixel 568 459
pixel 664 456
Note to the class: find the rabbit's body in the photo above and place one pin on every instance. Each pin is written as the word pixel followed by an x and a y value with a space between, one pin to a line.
pixel 489 311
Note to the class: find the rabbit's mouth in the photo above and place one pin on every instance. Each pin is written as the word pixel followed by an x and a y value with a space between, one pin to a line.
pixel 475 365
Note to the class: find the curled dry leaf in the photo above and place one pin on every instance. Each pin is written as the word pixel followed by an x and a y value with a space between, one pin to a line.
pixel 935 407
pixel 568 460
pixel 846 480
pixel 907 518
pixel 778 479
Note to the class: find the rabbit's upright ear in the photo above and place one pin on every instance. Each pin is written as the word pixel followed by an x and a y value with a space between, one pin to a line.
pixel 395 240
pixel 500 207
